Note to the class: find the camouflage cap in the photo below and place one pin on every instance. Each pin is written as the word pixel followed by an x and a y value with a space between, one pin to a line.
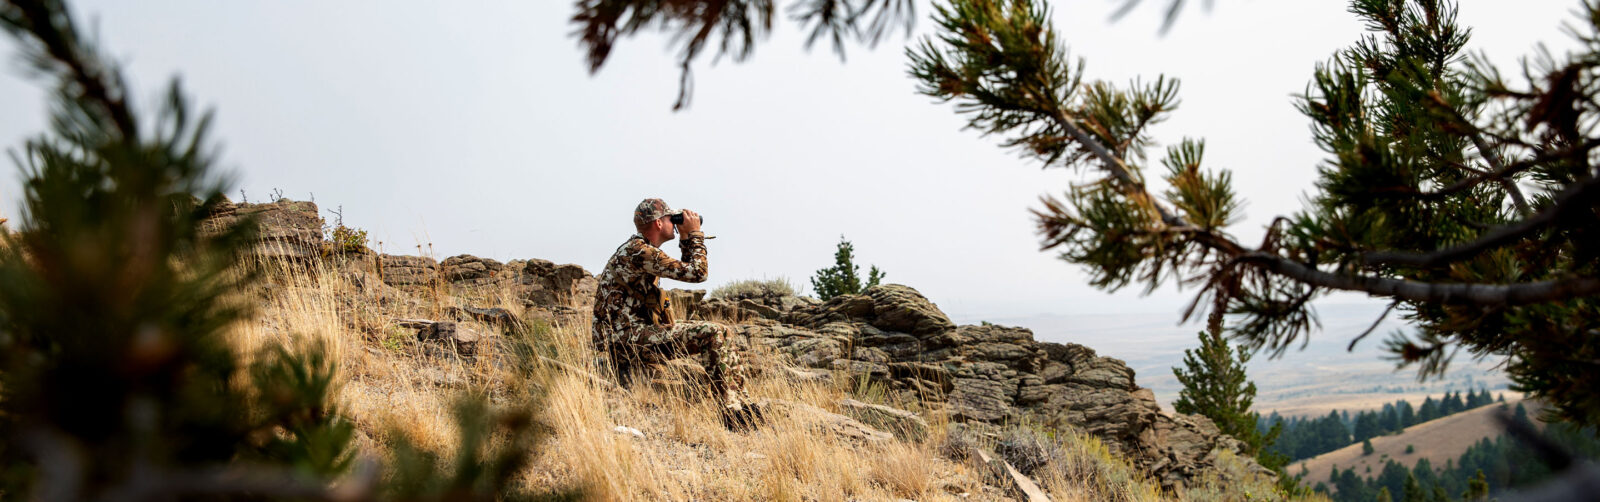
pixel 651 210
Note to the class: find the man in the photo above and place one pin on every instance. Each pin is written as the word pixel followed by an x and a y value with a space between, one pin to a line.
pixel 633 321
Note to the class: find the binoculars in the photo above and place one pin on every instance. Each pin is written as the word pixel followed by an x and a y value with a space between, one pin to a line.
pixel 677 219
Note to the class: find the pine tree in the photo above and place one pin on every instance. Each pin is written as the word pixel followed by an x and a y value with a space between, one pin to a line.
pixel 113 304
pixel 843 277
pixel 116 382
pixel 1428 411
pixel 1439 495
pixel 1421 200
pixel 1215 385
pixel 1389 421
pixel 1412 492
pixel 1477 487
pixel 1366 426
pixel 1457 403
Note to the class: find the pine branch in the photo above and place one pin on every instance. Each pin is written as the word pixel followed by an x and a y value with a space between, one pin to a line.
pixel 47 23
pixel 1429 292
pixel 739 24
pixel 1111 163
pixel 1500 174
pixel 1576 199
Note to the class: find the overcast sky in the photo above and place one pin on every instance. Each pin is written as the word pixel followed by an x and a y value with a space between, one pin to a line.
pixel 474 128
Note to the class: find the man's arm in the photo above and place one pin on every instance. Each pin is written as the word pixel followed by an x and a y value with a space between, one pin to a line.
pixel 693 267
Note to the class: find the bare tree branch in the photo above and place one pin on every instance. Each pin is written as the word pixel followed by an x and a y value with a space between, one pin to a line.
pixel 1373 327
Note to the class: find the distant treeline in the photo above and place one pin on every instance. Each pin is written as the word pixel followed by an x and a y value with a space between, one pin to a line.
pixel 1304 438
pixel 1492 465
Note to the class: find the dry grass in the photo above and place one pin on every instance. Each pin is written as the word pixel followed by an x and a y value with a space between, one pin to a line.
pixel 392 384
pixel 1232 481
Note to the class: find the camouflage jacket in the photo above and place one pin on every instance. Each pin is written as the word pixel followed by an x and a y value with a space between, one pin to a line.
pixel 629 294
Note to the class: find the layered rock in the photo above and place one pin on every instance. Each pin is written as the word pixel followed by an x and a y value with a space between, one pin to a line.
pixel 993 374
pixel 287 231
pixel 749 305
pixel 408 272
pixel 545 283
pixel 469 271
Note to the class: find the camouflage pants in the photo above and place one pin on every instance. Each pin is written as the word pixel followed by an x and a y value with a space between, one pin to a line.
pixel 710 341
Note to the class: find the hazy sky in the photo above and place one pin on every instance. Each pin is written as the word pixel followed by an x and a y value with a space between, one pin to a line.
pixel 474 128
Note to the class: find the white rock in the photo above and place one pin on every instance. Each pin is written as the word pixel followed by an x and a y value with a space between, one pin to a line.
pixel 623 429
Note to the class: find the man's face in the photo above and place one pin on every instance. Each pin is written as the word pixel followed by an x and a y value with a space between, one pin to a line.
pixel 663 230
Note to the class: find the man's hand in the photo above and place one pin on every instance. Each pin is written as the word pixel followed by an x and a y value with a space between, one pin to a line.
pixel 691 222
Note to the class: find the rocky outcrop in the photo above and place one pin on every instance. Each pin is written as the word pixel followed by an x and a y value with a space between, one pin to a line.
pixel 991 374
pixel 547 284
pixel 559 294
pixel 747 306
pixel 469 271
pixel 287 231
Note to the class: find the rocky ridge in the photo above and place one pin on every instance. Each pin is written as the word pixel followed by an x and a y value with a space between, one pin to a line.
pixel 989 374
pixel 972 374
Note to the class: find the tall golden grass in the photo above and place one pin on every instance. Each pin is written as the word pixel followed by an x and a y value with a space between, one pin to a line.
pixel 391 384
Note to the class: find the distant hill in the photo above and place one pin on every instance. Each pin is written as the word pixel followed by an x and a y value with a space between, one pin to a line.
pixel 1436 440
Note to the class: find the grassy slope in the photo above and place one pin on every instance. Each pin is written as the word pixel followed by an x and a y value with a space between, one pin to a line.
pixel 1435 440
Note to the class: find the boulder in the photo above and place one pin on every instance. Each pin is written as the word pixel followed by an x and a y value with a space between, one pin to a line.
pixel 469 271
pixel 903 424
pixel 759 310
pixel 464 338
pixel 686 303
pixel 546 284
pixel 408 272
pixel 824 421
pixel 900 308
pixel 558 315
pixel 495 316
pixel 806 375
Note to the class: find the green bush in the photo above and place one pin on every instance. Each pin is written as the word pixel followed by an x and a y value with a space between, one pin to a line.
pixel 346 240
pixel 754 288
pixel 341 239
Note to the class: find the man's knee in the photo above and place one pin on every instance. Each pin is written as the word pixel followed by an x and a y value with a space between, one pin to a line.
pixel 703 331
